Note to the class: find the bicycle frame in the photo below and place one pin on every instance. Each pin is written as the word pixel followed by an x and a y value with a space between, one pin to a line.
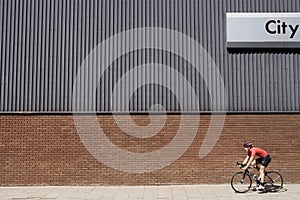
pixel 252 175
pixel 241 181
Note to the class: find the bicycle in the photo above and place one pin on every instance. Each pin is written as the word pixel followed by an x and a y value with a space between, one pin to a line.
pixel 241 181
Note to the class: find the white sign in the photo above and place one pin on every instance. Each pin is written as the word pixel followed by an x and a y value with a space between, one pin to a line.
pixel 263 30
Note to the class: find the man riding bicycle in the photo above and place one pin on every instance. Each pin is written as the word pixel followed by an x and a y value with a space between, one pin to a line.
pixel 261 162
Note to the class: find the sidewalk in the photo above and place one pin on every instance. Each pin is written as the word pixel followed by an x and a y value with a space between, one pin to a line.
pixel 174 192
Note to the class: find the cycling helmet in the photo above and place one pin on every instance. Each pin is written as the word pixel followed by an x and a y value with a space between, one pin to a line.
pixel 248 144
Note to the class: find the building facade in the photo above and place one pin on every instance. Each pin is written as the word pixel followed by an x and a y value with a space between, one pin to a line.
pixel 132 92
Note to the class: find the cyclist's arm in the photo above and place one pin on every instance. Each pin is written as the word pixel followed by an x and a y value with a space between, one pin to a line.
pixel 246 160
pixel 249 162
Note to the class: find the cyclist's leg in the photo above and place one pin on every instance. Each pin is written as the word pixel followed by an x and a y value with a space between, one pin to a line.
pixel 254 163
pixel 261 170
pixel 258 162
pixel 262 173
pixel 261 179
pixel 264 163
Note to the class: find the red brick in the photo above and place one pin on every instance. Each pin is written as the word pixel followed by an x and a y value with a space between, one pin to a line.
pixel 46 150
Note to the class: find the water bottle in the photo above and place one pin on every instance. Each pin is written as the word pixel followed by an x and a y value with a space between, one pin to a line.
pixel 255 177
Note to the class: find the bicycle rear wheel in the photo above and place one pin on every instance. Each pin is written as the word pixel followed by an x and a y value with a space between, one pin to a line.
pixel 241 182
pixel 273 181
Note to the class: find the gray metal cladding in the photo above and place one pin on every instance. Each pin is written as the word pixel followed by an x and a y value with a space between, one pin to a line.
pixel 44 43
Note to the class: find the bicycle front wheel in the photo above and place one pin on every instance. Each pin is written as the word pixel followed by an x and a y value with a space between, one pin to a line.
pixel 273 181
pixel 241 182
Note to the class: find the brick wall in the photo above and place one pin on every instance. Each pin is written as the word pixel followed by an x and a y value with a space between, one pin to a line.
pixel 46 150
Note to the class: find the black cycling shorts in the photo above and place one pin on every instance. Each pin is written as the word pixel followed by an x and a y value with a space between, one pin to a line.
pixel 264 161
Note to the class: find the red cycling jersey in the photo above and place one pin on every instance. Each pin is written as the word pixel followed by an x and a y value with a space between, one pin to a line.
pixel 257 152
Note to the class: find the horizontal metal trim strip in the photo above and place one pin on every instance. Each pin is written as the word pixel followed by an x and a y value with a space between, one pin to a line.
pixel 263 45
pixel 158 113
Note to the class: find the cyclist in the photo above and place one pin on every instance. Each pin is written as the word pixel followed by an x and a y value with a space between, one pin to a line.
pixel 261 162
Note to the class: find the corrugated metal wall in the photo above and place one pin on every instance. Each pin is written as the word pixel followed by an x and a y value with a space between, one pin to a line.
pixel 44 42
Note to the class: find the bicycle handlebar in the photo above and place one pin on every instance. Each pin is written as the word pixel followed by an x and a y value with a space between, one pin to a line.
pixel 240 165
